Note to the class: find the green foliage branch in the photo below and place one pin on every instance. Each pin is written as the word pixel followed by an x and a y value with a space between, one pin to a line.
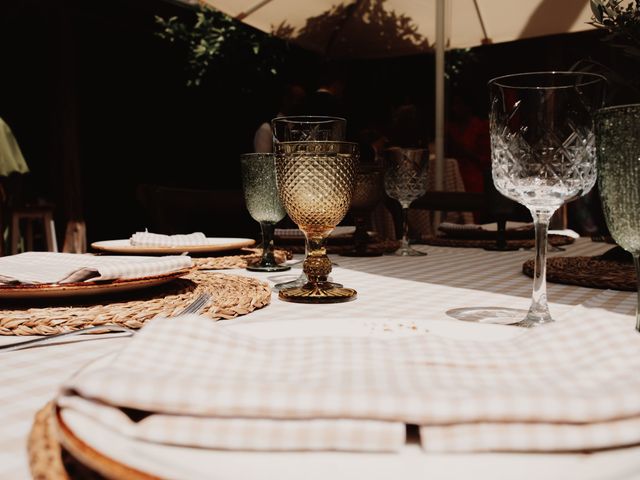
pixel 214 39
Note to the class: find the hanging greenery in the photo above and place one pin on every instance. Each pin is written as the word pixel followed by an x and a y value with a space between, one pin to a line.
pixel 621 18
pixel 214 39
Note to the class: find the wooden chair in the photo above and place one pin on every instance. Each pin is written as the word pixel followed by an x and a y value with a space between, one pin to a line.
pixel 30 215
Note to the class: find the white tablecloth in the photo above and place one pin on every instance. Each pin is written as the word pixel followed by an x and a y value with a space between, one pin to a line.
pixel 396 296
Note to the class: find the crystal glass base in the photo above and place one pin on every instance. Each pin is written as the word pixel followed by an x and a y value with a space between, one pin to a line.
pixel 268 268
pixel 501 316
pixel 408 252
pixel 323 292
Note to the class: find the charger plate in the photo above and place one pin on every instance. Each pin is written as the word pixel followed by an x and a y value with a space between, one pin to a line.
pixel 213 244
pixel 593 272
pixel 233 296
pixel 81 289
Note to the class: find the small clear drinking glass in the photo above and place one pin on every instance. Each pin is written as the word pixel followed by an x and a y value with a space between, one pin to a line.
pixel 307 128
pixel 405 179
pixel 618 154
pixel 262 200
pixel 543 152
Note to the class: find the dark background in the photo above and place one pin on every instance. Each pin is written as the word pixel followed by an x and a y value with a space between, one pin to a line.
pixel 92 93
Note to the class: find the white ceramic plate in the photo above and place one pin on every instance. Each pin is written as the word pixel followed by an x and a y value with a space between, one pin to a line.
pixel 212 245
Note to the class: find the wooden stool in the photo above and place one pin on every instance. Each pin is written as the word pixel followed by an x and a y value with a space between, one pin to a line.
pixel 31 214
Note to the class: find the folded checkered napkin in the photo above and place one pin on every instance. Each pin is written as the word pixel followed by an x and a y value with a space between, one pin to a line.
pixel 51 267
pixel 572 385
pixel 147 239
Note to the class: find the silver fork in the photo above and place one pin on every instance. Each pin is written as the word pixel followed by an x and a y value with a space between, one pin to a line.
pixel 194 307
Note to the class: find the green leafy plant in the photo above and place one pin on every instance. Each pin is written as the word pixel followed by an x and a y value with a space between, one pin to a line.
pixel 214 39
pixel 622 20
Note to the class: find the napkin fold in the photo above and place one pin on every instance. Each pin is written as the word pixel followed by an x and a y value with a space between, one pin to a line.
pixel 148 239
pixel 51 267
pixel 572 385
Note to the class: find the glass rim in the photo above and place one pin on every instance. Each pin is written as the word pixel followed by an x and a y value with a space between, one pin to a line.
pixel 612 108
pixel 308 119
pixel 594 78
pixel 317 142
pixel 256 154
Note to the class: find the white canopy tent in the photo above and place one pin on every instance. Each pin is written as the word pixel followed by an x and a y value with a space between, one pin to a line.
pixel 384 28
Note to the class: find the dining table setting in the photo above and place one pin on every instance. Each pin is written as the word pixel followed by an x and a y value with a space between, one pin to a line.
pixel 496 350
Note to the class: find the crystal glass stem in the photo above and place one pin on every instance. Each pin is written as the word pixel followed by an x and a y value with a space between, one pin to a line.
pixel 539 310
pixel 636 262
pixel 405 227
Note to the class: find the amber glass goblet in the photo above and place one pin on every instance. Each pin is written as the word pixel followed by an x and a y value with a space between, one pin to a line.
pixel 316 181
pixel 366 196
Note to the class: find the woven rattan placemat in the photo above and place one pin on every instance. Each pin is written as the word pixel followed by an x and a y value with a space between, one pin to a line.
pixel 591 272
pixel 48 460
pixel 555 240
pixel 233 295
pixel 247 256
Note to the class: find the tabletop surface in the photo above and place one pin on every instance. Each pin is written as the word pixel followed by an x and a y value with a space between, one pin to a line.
pixel 396 296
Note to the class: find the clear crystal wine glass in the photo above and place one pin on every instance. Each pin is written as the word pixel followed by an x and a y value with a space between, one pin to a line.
pixel 316 183
pixel 618 153
pixel 543 152
pixel 262 200
pixel 301 129
pixel 405 179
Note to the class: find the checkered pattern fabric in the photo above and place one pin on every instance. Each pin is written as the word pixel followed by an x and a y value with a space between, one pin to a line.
pixel 147 239
pixel 396 297
pixel 51 267
pixel 574 383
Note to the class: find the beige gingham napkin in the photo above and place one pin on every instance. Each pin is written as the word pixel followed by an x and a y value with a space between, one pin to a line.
pixel 571 385
pixel 51 267
pixel 148 239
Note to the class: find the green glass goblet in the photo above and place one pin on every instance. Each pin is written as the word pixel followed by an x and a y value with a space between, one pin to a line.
pixel 263 203
pixel 618 161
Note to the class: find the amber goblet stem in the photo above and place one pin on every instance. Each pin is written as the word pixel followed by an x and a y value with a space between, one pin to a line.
pixel 317 265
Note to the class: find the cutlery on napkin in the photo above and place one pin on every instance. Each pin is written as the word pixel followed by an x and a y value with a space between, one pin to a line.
pixel 487 231
pixel 148 239
pixel 572 385
pixel 52 267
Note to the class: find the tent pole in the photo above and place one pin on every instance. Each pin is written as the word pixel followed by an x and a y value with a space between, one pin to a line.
pixel 439 100
pixel 440 75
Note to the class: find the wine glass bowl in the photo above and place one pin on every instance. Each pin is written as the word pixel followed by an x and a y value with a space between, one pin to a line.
pixel 618 158
pixel 262 201
pixel 308 128
pixel 543 151
pixel 405 180
pixel 316 183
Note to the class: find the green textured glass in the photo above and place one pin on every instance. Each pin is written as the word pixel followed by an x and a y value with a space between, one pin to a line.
pixel 618 154
pixel 263 203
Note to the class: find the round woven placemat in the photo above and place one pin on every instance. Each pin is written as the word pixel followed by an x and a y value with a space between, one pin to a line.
pixel 382 246
pixel 232 295
pixel 555 240
pixel 45 454
pixel 249 255
pixel 588 272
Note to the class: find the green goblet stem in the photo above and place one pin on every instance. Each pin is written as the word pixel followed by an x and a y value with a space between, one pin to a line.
pixel 636 263
pixel 268 258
